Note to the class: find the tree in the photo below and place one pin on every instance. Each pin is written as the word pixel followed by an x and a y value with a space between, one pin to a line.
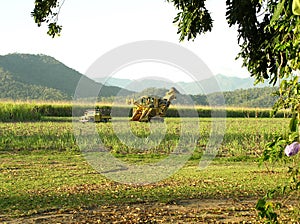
pixel 269 40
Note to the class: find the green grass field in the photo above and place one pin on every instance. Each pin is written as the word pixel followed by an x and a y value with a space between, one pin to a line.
pixel 45 178
pixel 20 111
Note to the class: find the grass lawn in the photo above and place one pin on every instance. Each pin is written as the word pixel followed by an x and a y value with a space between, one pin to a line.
pixel 46 180
pixel 38 181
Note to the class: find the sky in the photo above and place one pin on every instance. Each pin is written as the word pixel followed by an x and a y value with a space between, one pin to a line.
pixel 93 27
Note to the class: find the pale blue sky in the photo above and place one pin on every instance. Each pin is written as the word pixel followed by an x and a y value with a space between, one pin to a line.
pixel 93 27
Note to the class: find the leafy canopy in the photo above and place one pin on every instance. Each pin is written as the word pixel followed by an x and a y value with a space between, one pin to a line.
pixel 47 11
pixel 268 33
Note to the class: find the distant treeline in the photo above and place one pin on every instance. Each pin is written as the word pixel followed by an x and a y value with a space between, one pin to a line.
pixel 253 98
pixel 14 112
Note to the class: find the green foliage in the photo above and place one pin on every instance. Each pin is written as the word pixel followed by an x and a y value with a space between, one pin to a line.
pixel 26 111
pixel 47 11
pixel 18 112
pixel 267 209
pixel 274 152
pixel 54 29
pixel 289 95
pixel 268 33
pixel 192 19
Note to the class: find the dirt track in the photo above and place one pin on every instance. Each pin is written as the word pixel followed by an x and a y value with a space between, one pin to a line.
pixel 185 211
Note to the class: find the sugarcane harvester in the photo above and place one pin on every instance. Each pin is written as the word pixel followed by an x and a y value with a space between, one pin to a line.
pixel 147 107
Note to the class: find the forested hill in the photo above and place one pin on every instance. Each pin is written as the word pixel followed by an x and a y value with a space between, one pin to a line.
pixel 27 76
pixel 16 90
pixel 253 97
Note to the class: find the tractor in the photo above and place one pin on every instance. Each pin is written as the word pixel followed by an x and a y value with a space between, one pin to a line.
pixel 96 115
pixel 155 108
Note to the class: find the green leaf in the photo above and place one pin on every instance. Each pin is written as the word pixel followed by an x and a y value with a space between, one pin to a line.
pixel 278 10
pixel 260 205
pixel 294 123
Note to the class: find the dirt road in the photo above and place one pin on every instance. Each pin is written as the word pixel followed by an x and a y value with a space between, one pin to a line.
pixel 184 211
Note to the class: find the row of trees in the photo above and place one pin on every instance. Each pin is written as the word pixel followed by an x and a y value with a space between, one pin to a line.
pixel 254 97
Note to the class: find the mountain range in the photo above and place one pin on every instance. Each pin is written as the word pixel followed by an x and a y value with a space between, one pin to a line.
pixel 218 83
pixel 42 77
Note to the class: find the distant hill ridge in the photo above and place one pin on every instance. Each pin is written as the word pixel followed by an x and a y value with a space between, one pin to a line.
pixel 41 77
pixel 226 83
pixel 32 72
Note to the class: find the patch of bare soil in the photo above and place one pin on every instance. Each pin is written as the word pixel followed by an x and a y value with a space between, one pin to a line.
pixel 184 211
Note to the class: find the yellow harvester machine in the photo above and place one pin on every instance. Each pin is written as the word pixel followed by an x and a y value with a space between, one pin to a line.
pixel 148 107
